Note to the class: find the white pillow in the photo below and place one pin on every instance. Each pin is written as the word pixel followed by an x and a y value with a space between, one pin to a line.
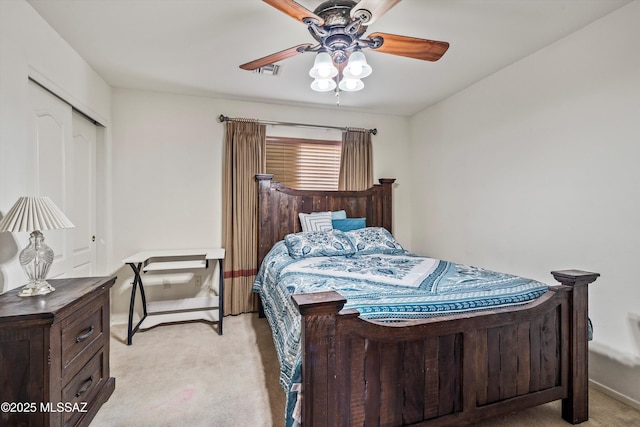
pixel 316 221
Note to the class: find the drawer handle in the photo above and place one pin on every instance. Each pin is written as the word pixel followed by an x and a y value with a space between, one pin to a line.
pixel 86 388
pixel 85 335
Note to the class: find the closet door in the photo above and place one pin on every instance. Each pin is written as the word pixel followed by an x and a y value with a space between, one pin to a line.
pixel 83 196
pixel 63 168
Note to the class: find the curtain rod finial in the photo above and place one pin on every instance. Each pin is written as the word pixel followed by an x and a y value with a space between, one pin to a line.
pixel 374 131
pixel 222 118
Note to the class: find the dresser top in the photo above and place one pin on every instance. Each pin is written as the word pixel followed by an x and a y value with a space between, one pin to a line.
pixel 14 307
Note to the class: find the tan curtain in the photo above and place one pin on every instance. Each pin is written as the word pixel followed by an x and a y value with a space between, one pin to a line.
pixel 244 158
pixel 356 163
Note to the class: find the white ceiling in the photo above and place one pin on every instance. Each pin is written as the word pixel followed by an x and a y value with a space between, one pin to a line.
pixel 195 46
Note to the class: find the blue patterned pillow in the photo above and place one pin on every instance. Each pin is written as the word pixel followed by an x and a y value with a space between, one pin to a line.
pixel 318 243
pixel 348 224
pixel 374 240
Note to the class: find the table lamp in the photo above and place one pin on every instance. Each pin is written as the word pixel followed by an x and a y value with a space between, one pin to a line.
pixel 33 214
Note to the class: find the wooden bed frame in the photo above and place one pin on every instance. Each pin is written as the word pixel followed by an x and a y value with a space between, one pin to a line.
pixel 442 371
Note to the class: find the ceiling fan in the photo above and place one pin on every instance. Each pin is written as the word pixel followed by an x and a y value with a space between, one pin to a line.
pixel 339 27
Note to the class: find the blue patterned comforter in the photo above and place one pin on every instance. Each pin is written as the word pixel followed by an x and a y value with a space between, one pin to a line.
pixel 379 286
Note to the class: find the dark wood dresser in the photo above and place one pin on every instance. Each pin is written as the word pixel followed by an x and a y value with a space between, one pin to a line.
pixel 54 354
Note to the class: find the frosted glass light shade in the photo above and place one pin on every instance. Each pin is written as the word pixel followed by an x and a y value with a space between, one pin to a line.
pixel 33 214
pixel 323 67
pixel 351 85
pixel 357 67
pixel 323 85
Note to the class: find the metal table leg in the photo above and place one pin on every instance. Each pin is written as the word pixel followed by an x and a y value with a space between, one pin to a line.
pixel 220 298
pixel 137 281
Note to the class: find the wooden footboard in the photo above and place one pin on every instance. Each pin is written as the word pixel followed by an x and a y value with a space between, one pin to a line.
pixel 452 370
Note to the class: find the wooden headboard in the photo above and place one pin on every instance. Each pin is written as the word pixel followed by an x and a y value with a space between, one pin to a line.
pixel 279 206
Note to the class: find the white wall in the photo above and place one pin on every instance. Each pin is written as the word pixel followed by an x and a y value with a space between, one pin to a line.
pixel 29 47
pixel 167 169
pixel 535 169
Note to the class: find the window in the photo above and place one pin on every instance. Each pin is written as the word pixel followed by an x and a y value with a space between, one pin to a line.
pixel 304 164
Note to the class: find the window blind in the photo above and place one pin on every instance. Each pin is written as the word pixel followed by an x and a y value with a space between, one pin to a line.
pixel 304 164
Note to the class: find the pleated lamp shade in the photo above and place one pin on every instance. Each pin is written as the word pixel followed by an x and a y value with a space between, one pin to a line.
pixel 34 213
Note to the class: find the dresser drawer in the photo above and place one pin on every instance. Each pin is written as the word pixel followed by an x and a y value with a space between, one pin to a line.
pixel 82 335
pixel 83 387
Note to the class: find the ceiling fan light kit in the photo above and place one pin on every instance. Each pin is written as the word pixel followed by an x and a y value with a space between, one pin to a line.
pixel 339 26
pixel 323 71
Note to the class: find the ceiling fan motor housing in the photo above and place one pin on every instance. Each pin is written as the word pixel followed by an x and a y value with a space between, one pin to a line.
pixel 339 34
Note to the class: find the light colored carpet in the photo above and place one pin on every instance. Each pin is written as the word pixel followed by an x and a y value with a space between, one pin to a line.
pixel 187 375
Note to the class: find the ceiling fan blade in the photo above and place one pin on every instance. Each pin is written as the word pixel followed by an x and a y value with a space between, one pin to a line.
pixel 294 10
pixel 275 57
pixel 375 8
pixel 411 47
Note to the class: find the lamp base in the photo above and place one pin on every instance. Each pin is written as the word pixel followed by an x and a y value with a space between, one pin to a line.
pixel 33 289
pixel 36 259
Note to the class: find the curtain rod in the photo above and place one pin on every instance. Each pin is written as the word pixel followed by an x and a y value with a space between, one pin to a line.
pixel 222 118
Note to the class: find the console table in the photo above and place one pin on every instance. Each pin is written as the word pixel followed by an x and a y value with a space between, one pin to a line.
pixel 167 260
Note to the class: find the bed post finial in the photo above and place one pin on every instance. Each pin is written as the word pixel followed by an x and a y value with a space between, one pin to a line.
pixel 264 176
pixel 575 408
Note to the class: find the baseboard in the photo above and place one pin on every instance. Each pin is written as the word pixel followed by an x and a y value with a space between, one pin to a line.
pixel 615 395
pixel 615 378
